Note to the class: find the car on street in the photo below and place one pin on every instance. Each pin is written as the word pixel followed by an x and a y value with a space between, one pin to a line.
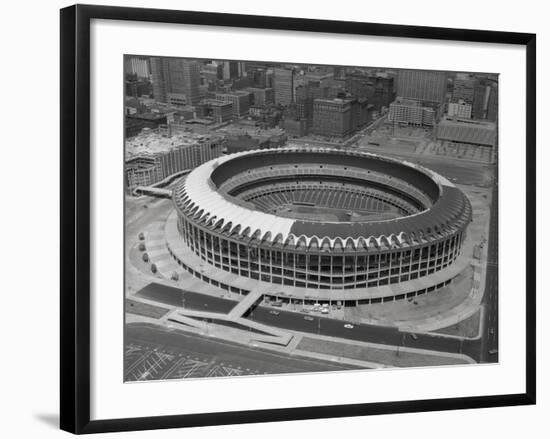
pixel 309 318
pixel 348 326
pixel 274 312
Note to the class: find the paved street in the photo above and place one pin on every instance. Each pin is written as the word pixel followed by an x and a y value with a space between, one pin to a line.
pixel 153 352
pixel 490 299
pixel 312 324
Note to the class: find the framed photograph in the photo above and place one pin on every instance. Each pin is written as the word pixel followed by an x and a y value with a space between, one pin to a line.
pixel 274 218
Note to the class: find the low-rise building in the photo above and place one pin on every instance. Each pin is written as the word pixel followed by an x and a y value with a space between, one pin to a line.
pixel 412 112
pixel 459 109
pixel 220 111
pixel 240 101
pixel 261 96
pixel 467 132
pixel 152 156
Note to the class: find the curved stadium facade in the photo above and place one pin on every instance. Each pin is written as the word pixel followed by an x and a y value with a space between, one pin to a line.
pixel 326 225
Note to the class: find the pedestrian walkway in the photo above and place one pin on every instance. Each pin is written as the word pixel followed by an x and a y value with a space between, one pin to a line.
pixel 245 304
pixel 247 329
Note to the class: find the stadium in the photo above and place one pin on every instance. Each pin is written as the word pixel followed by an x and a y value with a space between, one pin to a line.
pixel 312 225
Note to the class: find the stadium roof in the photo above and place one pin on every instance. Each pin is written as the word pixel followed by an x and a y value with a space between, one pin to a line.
pixel 199 198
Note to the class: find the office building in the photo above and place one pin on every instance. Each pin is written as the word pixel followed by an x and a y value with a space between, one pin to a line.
pixel 230 70
pixel 413 113
pixel 283 85
pixel 332 117
pixel 464 87
pixel 175 75
pixel 422 85
pixel 240 101
pixel 137 65
pixel 261 96
pixel 459 109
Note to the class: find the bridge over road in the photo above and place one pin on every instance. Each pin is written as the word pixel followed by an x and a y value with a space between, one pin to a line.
pixel 250 300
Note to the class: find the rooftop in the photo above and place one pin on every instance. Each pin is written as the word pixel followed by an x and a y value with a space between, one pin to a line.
pixel 458 122
pixel 450 210
pixel 411 102
pixel 151 142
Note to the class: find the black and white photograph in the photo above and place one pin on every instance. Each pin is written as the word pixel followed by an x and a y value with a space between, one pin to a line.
pixel 284 218
pixel 275 220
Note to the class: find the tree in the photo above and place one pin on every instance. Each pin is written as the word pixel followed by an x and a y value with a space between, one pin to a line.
pixel 175 276
pixel 145 257
pixel 141 236
pixel 153 268
pixel 141 247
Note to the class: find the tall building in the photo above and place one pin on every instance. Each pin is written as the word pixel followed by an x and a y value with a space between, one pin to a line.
pixel 230 69
pixel 212 73
pixel 259 77
pixel 305 95
pixel 175 75
pixel 283 85
pixel 485 105
pixel 160 77
pixel 332 117
pixel 422 85
pixel 384 94
pixel 463 88
pixel 137 65
pixel 492 104
pixel 185 78
pixel 359 86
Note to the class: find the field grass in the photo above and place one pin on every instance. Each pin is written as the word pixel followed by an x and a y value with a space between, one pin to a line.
pixel 332 214
pixel 144 309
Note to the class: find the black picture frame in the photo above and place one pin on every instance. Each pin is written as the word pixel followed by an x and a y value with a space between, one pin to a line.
pixel 75 217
